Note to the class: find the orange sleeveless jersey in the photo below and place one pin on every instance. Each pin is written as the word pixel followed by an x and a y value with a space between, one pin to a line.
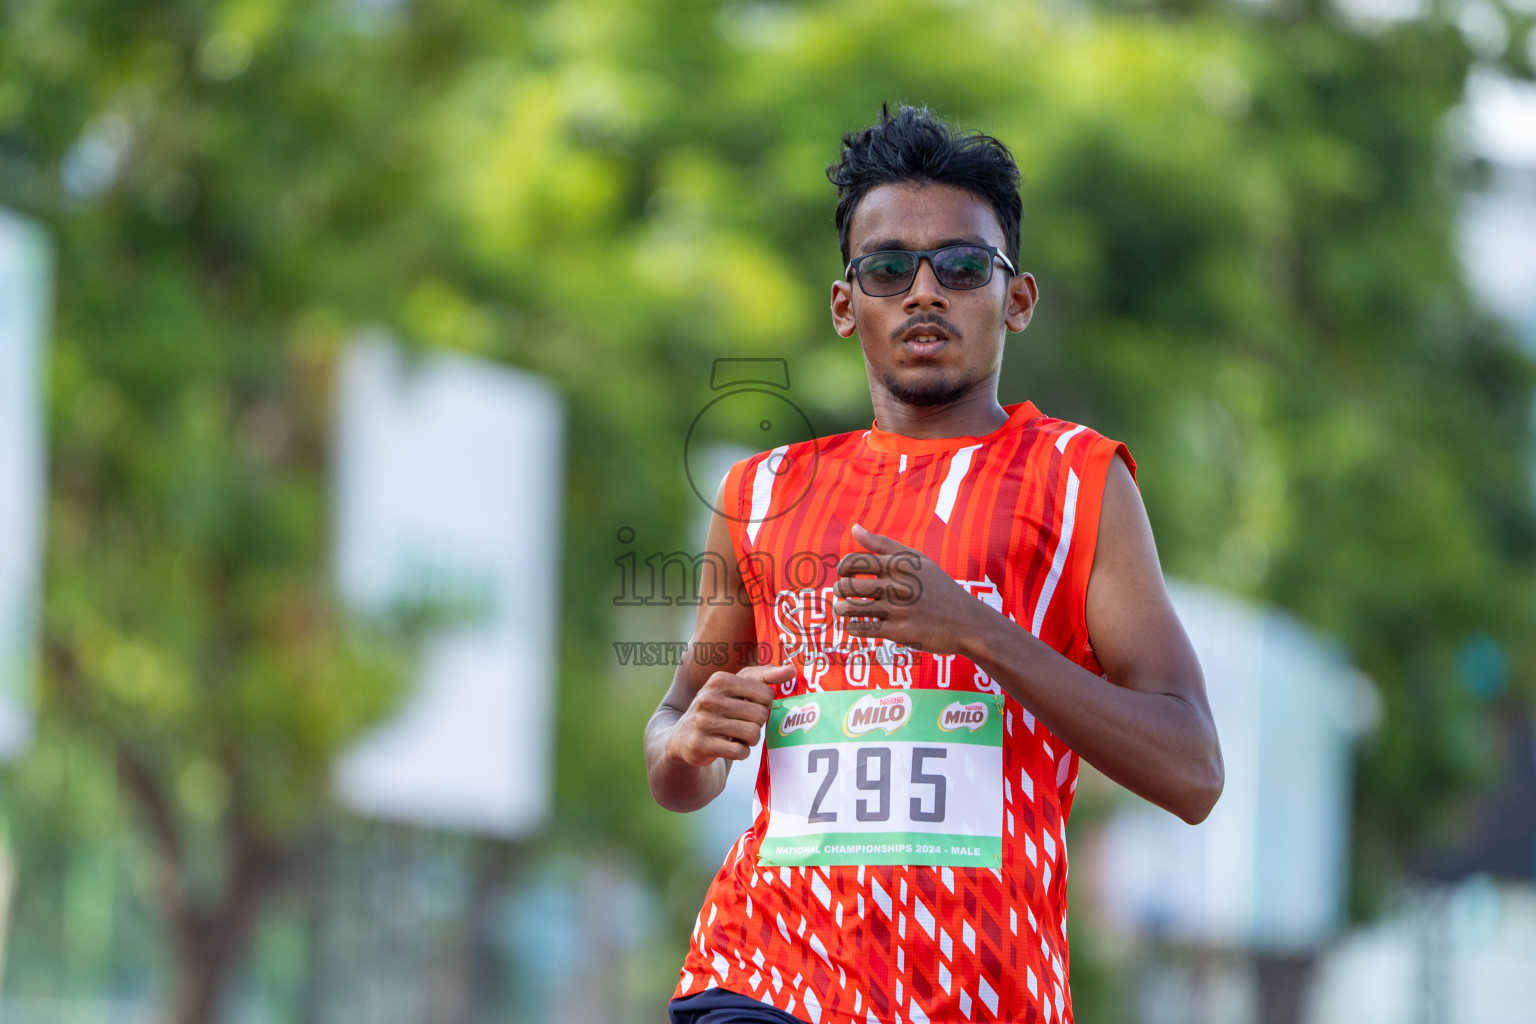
pixel 1014 518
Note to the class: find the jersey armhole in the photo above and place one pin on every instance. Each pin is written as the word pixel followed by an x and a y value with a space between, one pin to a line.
pixel 734 508
pixel 1090 504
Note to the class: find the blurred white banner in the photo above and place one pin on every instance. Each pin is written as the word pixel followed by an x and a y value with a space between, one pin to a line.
pixel 449 488
pixel 1267 869
pixel 26 301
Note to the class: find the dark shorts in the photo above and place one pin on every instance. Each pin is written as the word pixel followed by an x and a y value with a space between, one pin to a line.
pixel 717 1006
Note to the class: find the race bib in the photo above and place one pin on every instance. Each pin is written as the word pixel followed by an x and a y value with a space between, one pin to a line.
pixel 885 777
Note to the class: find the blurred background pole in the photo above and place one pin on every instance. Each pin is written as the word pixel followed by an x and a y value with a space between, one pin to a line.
pixel 7 891
pixel 26 302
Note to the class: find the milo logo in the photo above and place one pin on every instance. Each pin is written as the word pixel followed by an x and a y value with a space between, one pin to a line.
pixel 800 719
pixel 873 712
pixel 963 716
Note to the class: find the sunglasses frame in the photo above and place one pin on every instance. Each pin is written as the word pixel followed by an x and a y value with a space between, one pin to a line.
pixel 928 254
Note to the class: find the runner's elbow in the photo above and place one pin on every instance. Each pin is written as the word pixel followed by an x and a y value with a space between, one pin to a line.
pixel 1203 789
pixel 682 788
pixel 672 798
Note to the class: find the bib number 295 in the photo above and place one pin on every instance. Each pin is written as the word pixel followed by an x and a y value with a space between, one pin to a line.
pixel 872 774
pixel 884 777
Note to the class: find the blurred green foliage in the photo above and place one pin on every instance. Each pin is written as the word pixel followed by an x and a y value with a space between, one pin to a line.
pixel 1240 217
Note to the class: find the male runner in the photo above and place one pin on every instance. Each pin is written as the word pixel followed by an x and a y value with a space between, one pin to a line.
pixel 966 600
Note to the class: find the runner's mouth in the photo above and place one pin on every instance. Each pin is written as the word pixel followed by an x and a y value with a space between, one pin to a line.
pixel 925 344
pixel 925 339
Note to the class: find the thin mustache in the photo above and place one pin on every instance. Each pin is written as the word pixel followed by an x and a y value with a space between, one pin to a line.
pixel 927 318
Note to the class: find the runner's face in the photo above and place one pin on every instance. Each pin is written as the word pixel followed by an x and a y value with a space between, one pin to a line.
pixel 930 345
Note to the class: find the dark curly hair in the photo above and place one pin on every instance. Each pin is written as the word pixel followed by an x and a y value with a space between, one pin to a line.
pixel 916 146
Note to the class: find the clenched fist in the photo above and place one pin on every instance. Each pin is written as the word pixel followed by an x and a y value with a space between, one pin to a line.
pixel 895 592
pixel 727 715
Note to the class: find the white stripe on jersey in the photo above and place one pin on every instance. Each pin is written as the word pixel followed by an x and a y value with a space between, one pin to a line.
pixel 762 489
pixel 1061 442
pixel 958 467
pixel 1059 560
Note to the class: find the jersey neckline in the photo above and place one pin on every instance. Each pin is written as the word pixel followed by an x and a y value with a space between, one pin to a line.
pixel 900 444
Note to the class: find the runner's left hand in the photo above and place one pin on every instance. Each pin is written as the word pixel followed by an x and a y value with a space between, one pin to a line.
pixel 897 593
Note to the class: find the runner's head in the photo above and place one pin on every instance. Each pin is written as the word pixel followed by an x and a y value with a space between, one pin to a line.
pixel 915 147
pixel 928 223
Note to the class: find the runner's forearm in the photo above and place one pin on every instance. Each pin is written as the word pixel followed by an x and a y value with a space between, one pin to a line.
pixel 1155 744
pixel 678 785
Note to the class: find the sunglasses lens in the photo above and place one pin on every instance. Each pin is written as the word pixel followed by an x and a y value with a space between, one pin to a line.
pixel 886 273
pixel 963 266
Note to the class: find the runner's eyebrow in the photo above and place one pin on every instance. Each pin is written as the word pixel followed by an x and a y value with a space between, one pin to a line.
pixel 882 244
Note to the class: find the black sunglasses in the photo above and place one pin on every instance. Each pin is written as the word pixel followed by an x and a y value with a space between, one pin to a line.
pixel 892 271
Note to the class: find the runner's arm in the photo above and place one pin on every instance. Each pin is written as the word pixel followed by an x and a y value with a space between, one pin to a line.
pixel 1149 726
pixel 712 714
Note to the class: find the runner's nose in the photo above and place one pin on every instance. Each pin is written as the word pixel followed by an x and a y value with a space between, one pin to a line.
pixel 925 292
